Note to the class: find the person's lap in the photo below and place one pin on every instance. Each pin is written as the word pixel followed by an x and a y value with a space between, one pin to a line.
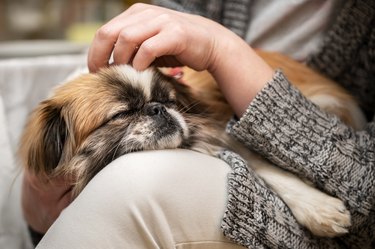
pixel 155 199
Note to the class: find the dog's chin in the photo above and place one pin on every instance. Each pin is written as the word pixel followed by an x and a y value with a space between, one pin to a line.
pixel 167 132
pixel 155 140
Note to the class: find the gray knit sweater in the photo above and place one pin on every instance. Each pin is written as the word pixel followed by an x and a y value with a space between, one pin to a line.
pixel 293 133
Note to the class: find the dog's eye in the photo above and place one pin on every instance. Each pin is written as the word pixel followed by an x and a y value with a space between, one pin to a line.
pixel 123 114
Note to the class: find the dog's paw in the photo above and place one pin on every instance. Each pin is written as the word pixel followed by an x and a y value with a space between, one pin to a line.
pixel 323 215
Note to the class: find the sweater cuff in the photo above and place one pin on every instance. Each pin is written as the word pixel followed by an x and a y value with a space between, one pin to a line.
pixel 282 125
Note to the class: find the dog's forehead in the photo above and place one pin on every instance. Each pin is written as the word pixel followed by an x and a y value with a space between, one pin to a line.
pixel 132 79
pixel 150 83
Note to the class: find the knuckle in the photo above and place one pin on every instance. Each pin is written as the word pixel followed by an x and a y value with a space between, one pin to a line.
pixel 166 17
pixel 148 49
pixel 104 33
pixel 178 29
pixel 137 6
pixel 141 7
pixel 125 35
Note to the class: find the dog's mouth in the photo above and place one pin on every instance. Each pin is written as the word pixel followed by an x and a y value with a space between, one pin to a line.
pixel 164 129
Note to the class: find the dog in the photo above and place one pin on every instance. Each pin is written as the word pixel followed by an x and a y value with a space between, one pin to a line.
pixel 95 118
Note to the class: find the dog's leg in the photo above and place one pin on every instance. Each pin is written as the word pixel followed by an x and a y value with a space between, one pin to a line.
pixel 322 214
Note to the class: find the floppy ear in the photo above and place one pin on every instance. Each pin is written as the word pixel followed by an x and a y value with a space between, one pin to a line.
pixel 43 139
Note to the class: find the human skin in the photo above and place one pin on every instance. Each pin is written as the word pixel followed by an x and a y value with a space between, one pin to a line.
pixel 43 199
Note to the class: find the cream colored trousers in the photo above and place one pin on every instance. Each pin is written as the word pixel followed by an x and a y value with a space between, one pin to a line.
pixel 156 199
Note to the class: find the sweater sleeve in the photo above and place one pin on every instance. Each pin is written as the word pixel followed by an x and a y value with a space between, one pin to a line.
pixel 295 134
pixel 256 217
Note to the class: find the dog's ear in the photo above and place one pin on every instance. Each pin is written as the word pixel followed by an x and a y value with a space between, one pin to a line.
pixel 186 98
pixel 43 139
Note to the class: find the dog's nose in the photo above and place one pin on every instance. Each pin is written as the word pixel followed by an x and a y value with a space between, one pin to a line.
pixel 153 109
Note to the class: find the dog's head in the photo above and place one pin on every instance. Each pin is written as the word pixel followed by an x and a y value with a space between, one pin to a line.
pixel 93 119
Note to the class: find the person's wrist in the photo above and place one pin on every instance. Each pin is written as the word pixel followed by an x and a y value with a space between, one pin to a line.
pixel 239 72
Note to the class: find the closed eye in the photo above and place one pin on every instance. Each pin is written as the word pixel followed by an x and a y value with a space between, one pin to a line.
pixel 123 114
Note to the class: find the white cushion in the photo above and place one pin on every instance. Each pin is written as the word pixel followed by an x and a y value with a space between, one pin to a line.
pixel 23 83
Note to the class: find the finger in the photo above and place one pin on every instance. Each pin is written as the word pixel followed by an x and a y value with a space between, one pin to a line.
pixel 101 48
pixel 160 45
pixel 132 36
pixel 107 36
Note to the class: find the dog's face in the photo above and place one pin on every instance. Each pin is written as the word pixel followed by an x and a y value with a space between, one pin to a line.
pixel 95 118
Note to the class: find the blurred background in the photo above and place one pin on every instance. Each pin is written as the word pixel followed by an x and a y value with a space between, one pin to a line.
pixel 55 22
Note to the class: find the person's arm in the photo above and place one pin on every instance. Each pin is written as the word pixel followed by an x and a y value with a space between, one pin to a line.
pixel 296 135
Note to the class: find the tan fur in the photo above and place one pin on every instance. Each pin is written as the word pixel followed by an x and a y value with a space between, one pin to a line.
pixel 85 117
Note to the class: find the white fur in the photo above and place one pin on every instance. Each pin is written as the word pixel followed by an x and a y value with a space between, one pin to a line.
pixel 140 134
pixel 358 116
pixel 139 79
pixel 325 100
pixel 181 121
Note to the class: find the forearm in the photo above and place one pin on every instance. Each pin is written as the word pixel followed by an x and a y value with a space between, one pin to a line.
pixel 239 72
pixel 294 134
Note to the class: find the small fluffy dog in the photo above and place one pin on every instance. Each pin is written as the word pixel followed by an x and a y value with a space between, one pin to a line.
pixel 95 118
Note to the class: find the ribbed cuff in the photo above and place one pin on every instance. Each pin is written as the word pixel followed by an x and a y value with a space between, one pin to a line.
pixel 284 126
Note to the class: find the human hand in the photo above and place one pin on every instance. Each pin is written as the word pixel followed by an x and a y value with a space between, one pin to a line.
pixel 43 200
pixel 146 34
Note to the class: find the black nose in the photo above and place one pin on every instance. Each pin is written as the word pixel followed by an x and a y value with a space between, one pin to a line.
pixel 152 109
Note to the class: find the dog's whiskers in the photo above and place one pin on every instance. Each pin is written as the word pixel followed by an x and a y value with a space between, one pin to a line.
pixel 115 152
pixel 189 107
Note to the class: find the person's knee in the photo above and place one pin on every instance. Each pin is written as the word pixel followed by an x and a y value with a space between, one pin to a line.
pixel 155 199
pixel 157 175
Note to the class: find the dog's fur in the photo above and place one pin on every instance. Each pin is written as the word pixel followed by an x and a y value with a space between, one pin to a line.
pixel 95 118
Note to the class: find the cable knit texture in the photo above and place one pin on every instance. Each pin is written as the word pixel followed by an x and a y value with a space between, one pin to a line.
pixel 348 52
pixel 301 138
pixel 257 218
pixel 295 134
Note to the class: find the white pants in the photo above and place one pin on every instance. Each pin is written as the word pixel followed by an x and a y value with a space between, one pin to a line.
pixel 156 199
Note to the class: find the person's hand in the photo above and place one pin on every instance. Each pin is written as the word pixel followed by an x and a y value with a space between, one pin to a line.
pixel 146 34
pixel 43 200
